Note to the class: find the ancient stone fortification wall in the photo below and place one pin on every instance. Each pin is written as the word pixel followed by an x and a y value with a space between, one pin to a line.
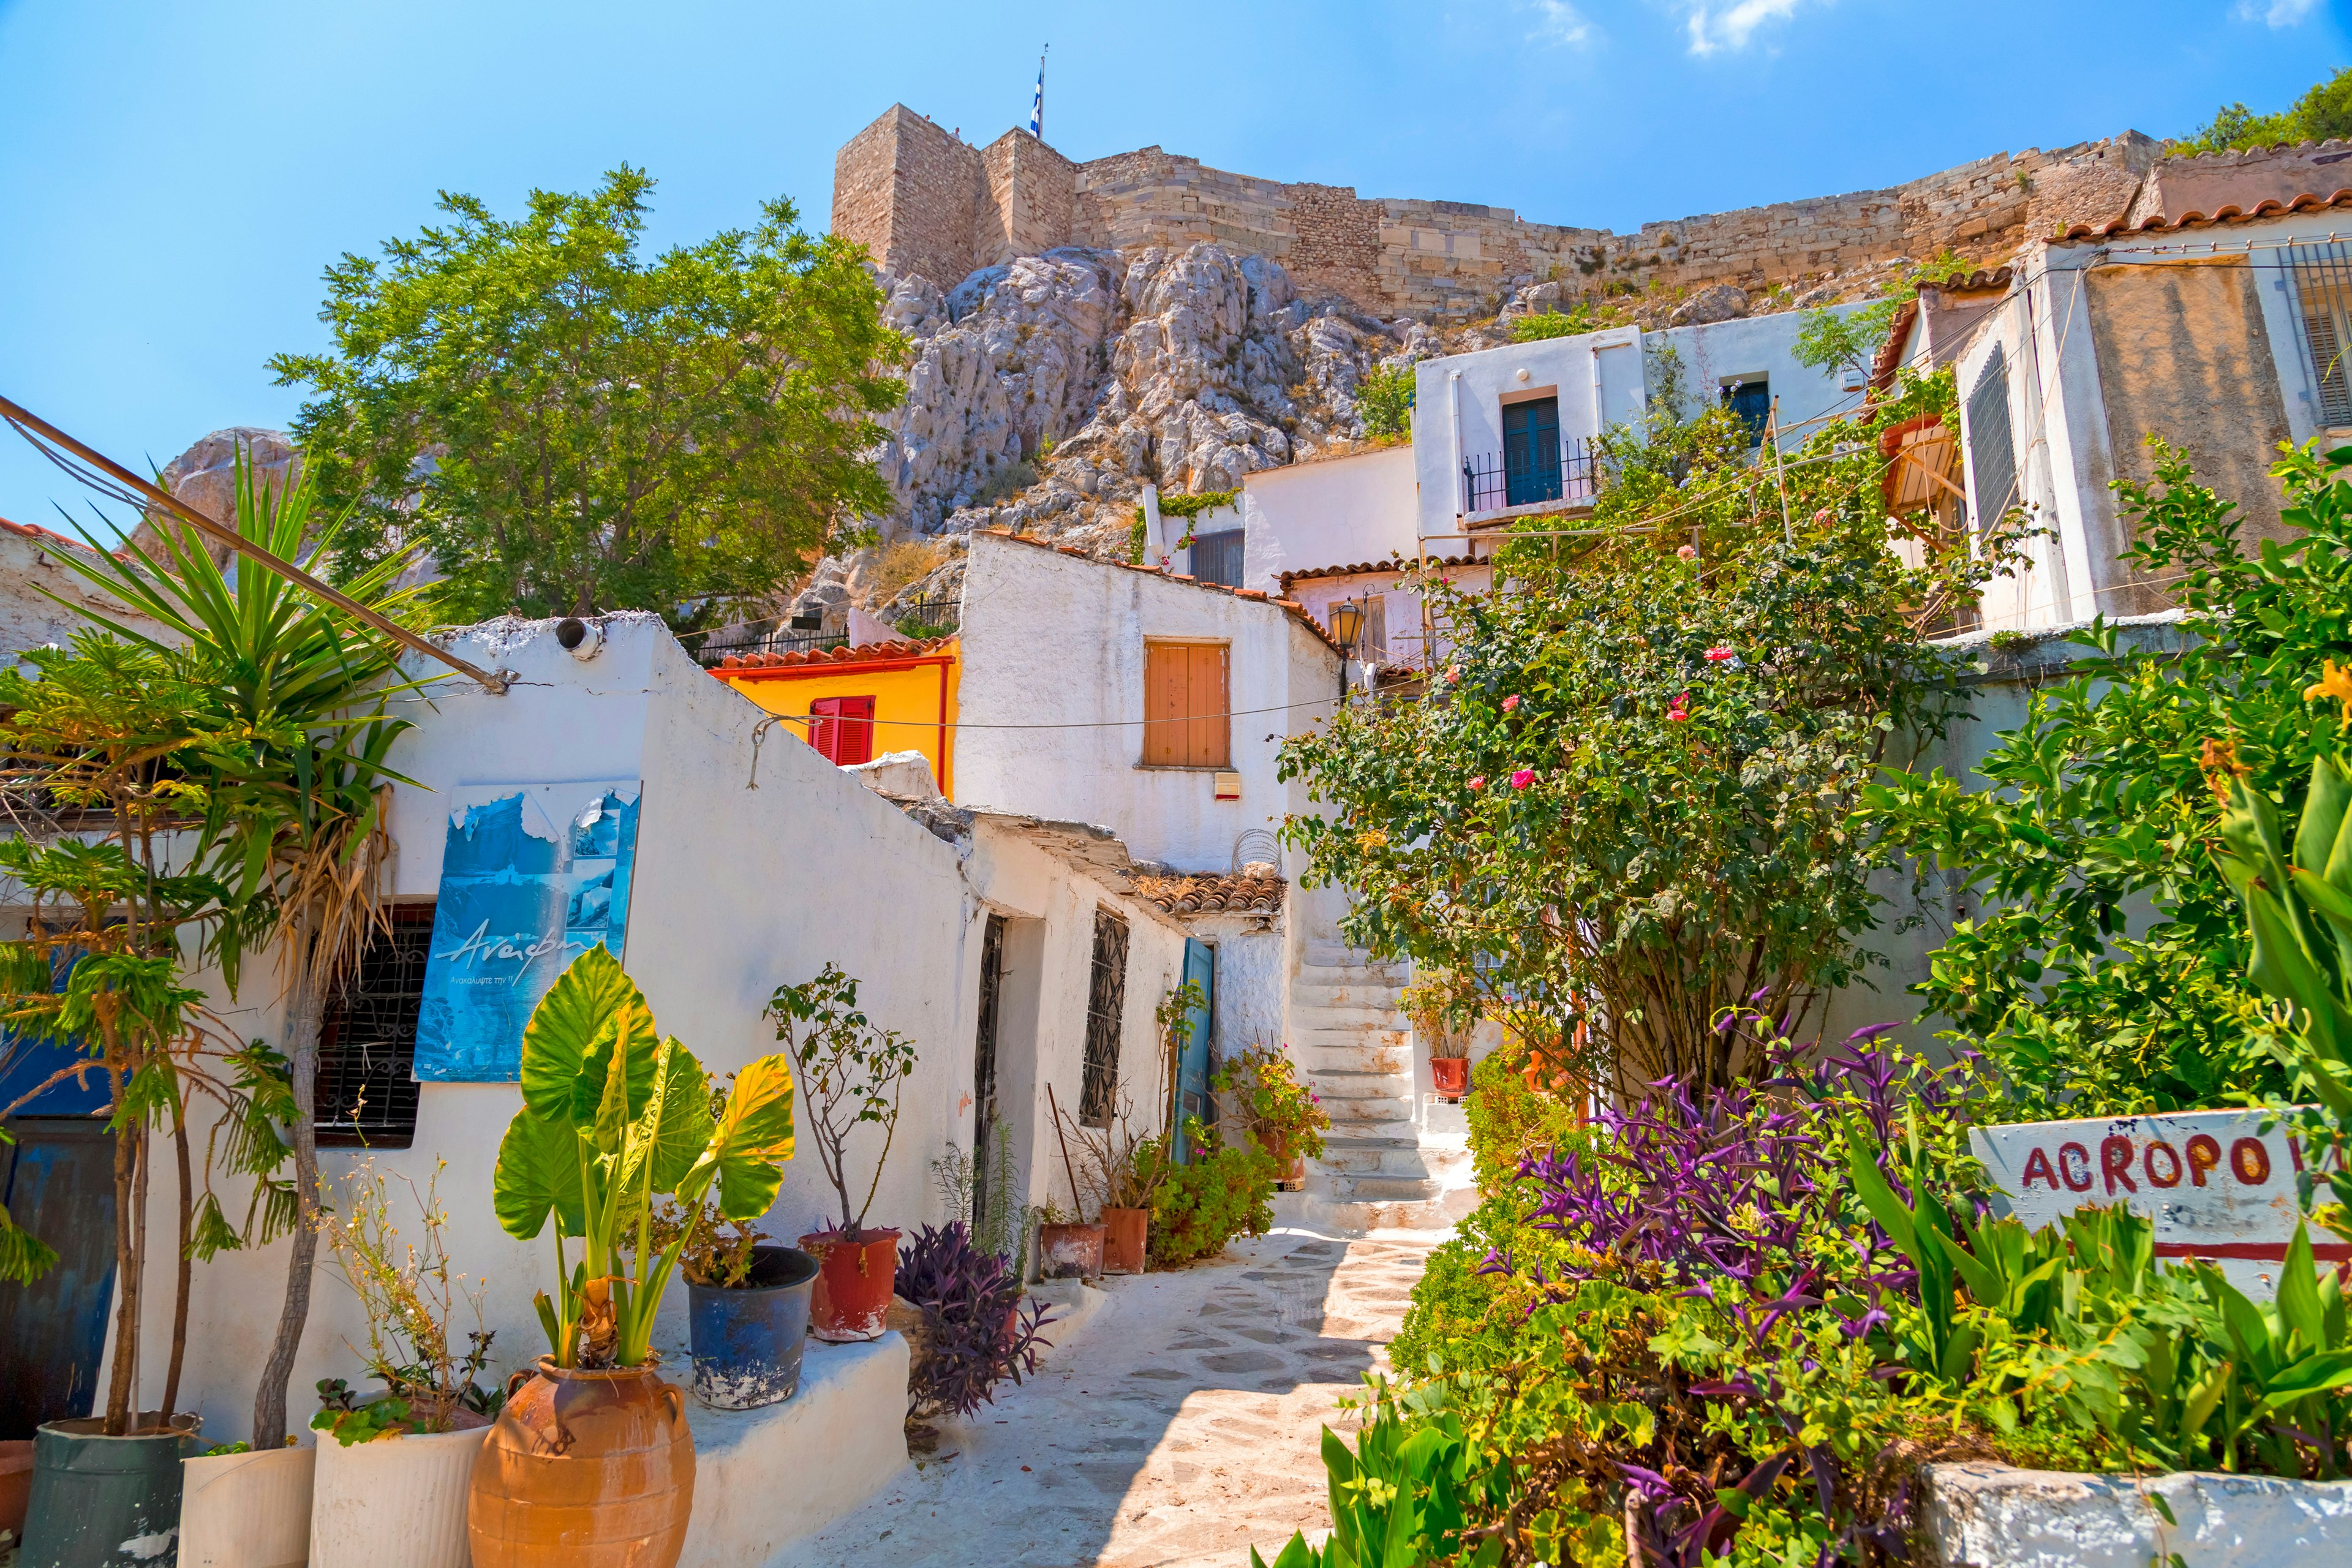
pixel 1432 258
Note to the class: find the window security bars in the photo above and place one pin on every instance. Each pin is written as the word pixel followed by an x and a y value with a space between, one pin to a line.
pixel 983 1070
pixel 2323 294
pixel 1992 460
pixel 1217 557
pixel 1106 1005
pixel 1569 474
pixel 367 1043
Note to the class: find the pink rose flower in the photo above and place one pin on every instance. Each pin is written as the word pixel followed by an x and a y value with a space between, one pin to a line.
pixel 1509 704
pixel 1719 653
pixel 1453 673
pixel 1478 782
pixel 1523 778
pixel 1688 552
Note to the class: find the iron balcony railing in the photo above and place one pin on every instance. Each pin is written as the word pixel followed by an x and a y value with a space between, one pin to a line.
pixel 1494 480
pixel 714 647
pixel 927 617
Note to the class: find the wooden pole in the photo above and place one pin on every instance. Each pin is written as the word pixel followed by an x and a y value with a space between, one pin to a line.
pixel 1078 1199
pixel 17 414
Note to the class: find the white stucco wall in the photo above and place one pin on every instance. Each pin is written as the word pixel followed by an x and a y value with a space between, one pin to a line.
pixel 735 891
pixel 1054 642
pixel 32 566
pixel 1602 379
pixel 1333 512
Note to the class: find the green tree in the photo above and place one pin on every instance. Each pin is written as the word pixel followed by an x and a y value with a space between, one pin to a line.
pixel 2324 112
pixel 2107 971
pixel 567 424
pixel 1622 805
pixel 1384 399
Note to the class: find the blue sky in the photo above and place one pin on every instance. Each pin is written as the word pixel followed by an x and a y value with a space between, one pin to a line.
pixel 175 176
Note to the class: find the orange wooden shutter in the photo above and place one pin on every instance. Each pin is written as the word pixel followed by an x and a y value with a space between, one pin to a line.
pixel 1184 705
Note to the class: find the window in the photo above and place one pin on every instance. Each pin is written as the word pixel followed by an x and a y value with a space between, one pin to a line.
pixel 1105 1004
pixel 1217 557
pixel 1993 461
pixel 2323 293
pixel 842 730
pixel 1184 706
pixel 1750 403
pixel 367 1042
pixel 1531 451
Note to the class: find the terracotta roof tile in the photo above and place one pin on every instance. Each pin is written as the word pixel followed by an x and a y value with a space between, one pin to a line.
pixel 818 657
pixel 1210 894
pixel 1363 568
pixel 2308 202
pixel 34 531
pixel 1257 596
pixel 1889 358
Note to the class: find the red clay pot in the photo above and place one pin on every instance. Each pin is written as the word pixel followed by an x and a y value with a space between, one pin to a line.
pixel 1070 1251
pixel 853 1283
pixel 1125 1232
pixel 1451 1074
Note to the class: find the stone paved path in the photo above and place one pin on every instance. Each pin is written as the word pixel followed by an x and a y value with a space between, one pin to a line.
pixel 1183 1426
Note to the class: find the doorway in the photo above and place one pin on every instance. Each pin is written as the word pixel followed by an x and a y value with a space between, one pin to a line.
pixel 57 1182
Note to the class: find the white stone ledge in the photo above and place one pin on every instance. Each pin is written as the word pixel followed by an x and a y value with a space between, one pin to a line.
pixel 1996 1516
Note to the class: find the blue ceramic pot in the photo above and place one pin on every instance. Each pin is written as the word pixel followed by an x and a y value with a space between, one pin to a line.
pixel 747 1341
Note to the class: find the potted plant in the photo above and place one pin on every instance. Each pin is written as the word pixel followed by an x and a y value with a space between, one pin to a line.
pixel 387 1484
pixel 1444 1011
pixel 969 1331
pixel 1068 1247
pixel 1262 1097
pixel 590 1464
pixel 852 1073
pixel 1111 1173
pixel 747 1307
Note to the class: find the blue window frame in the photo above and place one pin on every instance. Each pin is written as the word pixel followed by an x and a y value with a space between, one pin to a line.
pixel 1531 451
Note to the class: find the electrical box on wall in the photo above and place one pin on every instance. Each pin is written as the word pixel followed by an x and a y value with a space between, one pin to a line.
pixel 1229 786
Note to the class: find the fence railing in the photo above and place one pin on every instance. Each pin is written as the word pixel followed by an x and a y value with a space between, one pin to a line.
pixel 1492 480
pixel 714 647
pixel 941 616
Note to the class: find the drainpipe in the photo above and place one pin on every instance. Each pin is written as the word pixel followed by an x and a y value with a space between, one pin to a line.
pixel 1454 409
pixel 1155 544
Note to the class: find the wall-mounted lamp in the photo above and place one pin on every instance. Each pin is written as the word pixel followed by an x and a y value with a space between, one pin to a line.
pixel 1347 625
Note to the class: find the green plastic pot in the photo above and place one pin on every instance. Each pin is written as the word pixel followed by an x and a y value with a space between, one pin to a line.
pixel 105 1502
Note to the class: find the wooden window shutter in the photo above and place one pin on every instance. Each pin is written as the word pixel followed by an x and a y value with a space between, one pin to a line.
pixel 1184 702
pixel 842 730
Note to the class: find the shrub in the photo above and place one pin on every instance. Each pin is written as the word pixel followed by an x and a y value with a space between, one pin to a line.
pixel 1264 1098
pixel 1198 1208
pixel 1384 402
pixel 1510 1118
pixel 976 1334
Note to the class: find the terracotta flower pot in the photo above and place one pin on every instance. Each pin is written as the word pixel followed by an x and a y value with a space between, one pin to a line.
pixel 1070 1251
pixel 853 1284
pixel 1289 1170
pixel 1451 1074
pixel 16 1484
pixel 1125 1231
pixel 584 1469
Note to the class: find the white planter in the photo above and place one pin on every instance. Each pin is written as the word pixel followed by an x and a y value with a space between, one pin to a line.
pixel 397 1502
pixel 1994 1516
pixel 246 1511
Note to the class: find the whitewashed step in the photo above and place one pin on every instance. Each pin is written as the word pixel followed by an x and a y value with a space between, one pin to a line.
pixel 1312 1014
pixel 1322 950
pixel 1346 993
pixel 1361 1086
pixel 1367 1056
pixel 1374 1156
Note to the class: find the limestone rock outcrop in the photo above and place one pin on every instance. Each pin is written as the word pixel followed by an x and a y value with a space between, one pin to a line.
pixel 205 477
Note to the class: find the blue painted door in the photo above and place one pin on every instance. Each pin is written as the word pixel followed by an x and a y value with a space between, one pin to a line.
pixel 1192 1097
pixel 57 1182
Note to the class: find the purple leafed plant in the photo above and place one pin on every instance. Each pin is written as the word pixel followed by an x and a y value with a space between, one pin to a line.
pixel 979 1333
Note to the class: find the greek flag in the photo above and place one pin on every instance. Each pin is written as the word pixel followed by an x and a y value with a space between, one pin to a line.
pixel 1037 108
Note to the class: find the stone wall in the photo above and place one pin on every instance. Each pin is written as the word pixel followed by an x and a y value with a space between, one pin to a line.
pixel 907 191
pixel 1435 259
pixel 1026 209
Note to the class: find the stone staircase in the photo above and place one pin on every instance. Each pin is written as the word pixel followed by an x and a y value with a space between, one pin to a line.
pixel 1383 1167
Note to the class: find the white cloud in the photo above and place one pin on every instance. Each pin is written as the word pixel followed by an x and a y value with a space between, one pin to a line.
pixel 1713 31
pixel 2278 13
pixel 1558 22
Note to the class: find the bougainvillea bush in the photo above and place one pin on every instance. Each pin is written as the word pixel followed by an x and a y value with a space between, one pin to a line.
pixel 1622 802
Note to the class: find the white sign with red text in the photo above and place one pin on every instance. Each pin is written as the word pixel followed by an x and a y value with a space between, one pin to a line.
pixel 2214 1183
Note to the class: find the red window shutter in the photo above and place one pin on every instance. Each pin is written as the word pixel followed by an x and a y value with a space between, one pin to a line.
pixel 842 730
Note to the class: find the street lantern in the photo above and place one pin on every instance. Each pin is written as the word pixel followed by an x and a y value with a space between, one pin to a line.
pixel 1347 625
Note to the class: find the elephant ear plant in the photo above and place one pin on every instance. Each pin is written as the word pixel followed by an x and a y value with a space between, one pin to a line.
pixel 614 1116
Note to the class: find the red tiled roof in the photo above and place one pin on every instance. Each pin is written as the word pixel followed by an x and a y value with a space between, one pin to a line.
pixel 32 530
pixel 2306 202
pixel 821 657
pixel 1210 895
pixel 1361 568
pixel 1260 594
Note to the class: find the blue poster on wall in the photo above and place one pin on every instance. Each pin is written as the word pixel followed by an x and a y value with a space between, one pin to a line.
pixel 532 877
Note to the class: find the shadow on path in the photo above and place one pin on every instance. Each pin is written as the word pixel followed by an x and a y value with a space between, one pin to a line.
pixel 1183 1425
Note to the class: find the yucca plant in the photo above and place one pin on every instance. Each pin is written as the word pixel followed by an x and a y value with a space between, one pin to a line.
pixel 613 1116
pixel 290 695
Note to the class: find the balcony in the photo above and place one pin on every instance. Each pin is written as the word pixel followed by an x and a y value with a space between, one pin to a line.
pixel 1529 475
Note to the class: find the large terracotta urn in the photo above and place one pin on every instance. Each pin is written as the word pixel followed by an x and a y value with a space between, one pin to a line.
pixel 584 1469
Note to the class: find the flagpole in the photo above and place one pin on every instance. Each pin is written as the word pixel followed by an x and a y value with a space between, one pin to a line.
pixel 1037 109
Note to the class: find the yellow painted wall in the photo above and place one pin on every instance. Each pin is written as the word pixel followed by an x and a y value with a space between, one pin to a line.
pixel 905 702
